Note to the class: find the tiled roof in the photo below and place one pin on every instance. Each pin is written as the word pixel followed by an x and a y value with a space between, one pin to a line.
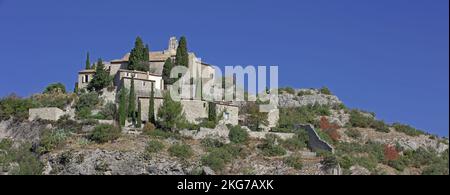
pixel 154 56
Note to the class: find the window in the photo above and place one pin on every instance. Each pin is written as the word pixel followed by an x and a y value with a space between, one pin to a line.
pixel 143 83
pixel 86 79
pixel 226 115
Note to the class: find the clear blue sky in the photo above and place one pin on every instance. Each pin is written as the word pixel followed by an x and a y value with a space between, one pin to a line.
pixel 386 56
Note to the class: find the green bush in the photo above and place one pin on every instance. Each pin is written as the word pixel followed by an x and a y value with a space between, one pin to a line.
pixel 211 143
pixel 55 88
pixel 182 151
pixel 294 161
pixel 217 158
pixel 325 90
pixel 289 117
pixel 59 100
pixel 298 142
pixel 357 119
pixel 380 126
pixel 270 148
pixel 14 106
pixel 170 113
pixel 104 133
pixel 353 133
pixel 109 111
pixel 28 162
pixel 238 134
pixel 289 90
pixel 152 147
pixel 406 129
pixel 51 140
pixel 158 133
pixel 303 93
pixel 86 102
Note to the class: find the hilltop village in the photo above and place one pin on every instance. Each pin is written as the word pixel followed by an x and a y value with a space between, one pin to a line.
pixel 121 118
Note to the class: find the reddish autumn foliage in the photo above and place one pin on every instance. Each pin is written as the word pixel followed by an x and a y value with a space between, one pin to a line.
pixel 330 128
pixel 390 153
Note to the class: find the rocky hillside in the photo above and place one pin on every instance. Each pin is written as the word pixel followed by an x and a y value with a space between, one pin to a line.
pixel 362 143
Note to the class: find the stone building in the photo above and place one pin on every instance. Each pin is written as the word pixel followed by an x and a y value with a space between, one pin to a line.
pixel 194 107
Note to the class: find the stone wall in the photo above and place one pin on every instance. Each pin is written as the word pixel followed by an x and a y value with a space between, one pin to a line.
pixel 315 143
pixel 230 113
pixel 50 113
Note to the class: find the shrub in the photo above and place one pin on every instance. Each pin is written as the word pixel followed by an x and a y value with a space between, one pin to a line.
pixel 109 111
pixel 330 129
pixel 238 134
pixel 28 162
pixel 406 129
pixel 104 133
pixel 59 100
pixel 325 90
pixel 158 133
pixel 380 126
pixel 289 117
pixel 211 143
pixel 153 146
pixel 390 153
pixel 55 88
pixel 303 93
pixel 289 90
pixel 181 151
pixel 294 161
pixel 148 128
pixel 298 142
pixel 86 102
pixel 357 119
pixel 170 113
pixel 217 158
pixel 51 140
pixel 270 147
pixel 353 133
pixel 14 106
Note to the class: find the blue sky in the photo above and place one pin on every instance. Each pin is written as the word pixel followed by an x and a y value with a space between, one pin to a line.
pixel 386 56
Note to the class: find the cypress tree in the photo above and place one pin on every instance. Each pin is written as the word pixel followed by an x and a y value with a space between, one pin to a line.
pixel 212 115
pixel 139 120
pixel 132 102
pixel 151 107
pixel 182 57
pixel 138 59
pixel 122 106
pixel 88 63
pixel 168 65
pixel 101 77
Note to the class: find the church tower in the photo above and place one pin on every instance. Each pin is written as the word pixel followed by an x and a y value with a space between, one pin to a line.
pixel 172 47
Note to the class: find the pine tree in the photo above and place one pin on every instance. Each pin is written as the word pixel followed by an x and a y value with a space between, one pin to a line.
pixel 182 57
pixel 88 63
pixel 170 113
pixel 151 107
pixel 139 120
pixel 132 102
pixel 101 78
pixel 168 65
pixel 139 58
pixel 122 106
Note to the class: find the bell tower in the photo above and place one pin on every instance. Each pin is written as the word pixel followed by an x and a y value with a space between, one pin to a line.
pixel 172 47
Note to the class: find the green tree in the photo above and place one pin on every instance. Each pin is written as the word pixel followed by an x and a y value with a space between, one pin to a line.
pixel 139 120
pixel 139 58
pixel 88 62
pixel 55 88
pixel 255 118
pixel 181 57
pixel 168 65
pixel 101 77
pixel 212 115
pixel 170 113
pixel 122 106
pixel 151 107
pixel 132 103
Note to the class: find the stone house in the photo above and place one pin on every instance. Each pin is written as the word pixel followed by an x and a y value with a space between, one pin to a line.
pixel 194 107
